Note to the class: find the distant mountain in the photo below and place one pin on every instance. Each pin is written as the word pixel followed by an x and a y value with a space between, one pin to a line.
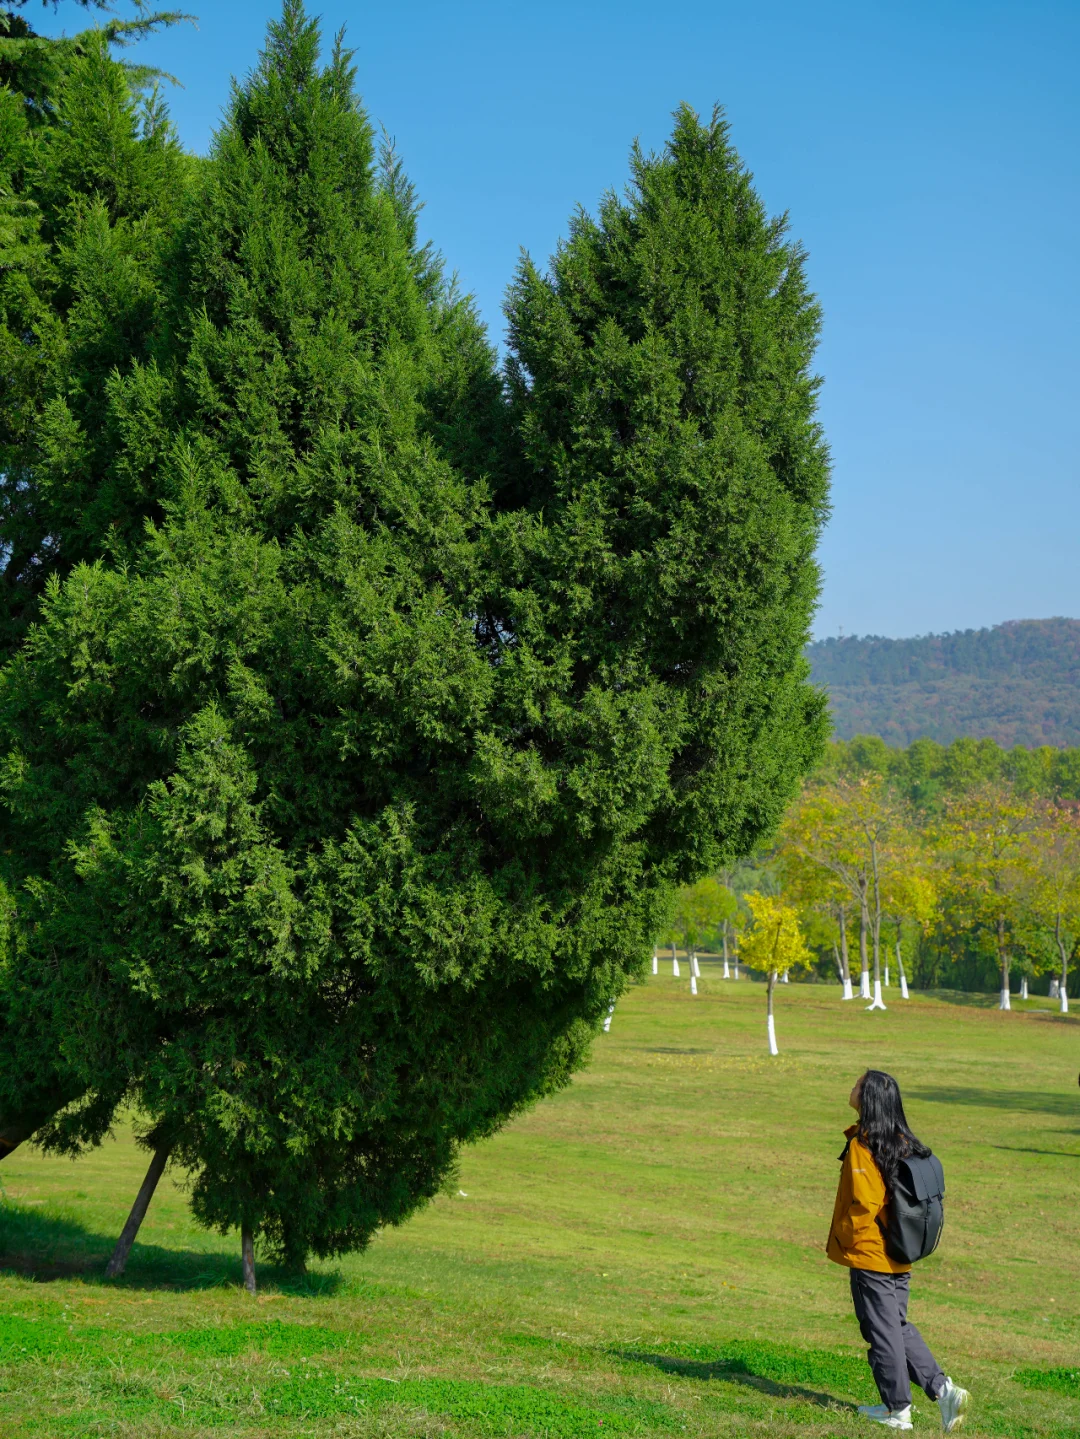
pixel 1018 683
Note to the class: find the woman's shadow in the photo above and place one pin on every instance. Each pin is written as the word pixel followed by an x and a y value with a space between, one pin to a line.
pixel 735 1371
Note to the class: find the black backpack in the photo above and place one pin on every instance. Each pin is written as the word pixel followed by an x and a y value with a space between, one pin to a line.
pixel 916 1209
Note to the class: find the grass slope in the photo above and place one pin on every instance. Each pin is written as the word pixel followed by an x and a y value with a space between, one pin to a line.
pixel 641 1255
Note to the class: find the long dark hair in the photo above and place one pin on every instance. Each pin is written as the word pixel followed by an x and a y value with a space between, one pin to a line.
pixel 883 1125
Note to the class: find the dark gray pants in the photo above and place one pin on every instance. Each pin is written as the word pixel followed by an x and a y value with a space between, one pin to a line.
pixel 898 1352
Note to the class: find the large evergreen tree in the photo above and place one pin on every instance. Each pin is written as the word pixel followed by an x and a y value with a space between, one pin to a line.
pixel 373 720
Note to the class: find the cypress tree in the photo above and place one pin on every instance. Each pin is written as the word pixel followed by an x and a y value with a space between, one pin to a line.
pixel 348 786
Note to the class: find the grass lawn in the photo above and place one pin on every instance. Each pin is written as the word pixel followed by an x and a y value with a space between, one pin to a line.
pixel 642 1254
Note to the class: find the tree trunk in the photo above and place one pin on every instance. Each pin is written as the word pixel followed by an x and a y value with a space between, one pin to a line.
pixel 1003 955
pixel 1023 987
pixel 735 949
pixel 1064 955
pixel 886 974
pixel 900 970
pixel 771 1024
pixel 674 960
pixel 877 1002
pixel 695 968
pixel 845 962
pixel 693 981
pixel 247 1257
pixel 877 926
pixel 655 961
pixel 607 1017
pixel 17 1126
pixel 115 1266
pixel 864 957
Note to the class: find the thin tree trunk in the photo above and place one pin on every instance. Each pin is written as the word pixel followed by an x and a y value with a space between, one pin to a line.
pixel 878 1002
pixel 1023 986
pixel 1063 952
pixel 735 950
pixel 247 1257
pixel 17 1126
pixel 836 959
pixel 864 957
pixel 115 1266
pixel 674 960
pixel 655 961
pixel 1003 955
pixel 771 1023
pixel 845 972
pixel 723 941
pixel 607 1018
pixel 900 967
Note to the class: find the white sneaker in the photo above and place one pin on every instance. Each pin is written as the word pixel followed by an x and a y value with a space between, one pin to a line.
pixel 891 1418
pixel 953 1402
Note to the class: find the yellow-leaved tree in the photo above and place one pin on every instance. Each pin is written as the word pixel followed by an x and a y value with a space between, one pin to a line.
pixel 775 944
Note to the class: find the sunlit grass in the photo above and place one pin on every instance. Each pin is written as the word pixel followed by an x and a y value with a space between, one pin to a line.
pixel 642 1254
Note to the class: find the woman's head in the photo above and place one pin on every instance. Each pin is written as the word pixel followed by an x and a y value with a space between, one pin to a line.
pixel 883 1125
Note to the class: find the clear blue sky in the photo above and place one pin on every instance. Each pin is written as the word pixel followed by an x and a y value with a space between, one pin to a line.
pixel 928 153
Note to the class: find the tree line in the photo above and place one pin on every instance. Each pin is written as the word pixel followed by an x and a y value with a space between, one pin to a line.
pixel 958 864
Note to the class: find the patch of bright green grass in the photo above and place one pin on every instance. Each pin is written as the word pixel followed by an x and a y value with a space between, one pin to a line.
pixel 1057 1381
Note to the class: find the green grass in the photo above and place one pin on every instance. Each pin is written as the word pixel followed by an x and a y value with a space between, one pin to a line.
pixel 642 1255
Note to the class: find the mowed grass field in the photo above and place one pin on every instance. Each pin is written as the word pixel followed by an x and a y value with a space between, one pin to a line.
pixel 642 1254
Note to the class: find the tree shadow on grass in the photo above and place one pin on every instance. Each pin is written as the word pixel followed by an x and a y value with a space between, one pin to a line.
pixel 734 1372
pixel 1034 1101
pixel 48 1245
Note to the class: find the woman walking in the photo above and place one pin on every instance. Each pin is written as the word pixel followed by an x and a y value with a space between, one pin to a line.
pixel 879 1283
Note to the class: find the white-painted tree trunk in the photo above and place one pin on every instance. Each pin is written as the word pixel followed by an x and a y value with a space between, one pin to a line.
pixel 607 1021
pixel 1005 1002
pixel 1064 1002
pixel 903 986
pixel 886 976
pixel 655 962
pixel 849 993
pixel 675 967
pixel 864 984
pixel 1023 987
pixel 736 974
pixel 693 984
pixel 878 1002
pixel 695 968
pixel 784 978
pixel 1055 989
pixel 772 1037
pixel 727 971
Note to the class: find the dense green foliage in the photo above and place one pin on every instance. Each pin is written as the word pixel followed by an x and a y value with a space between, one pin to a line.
pixel 369 716
pixel 1016 683
pixel 926 772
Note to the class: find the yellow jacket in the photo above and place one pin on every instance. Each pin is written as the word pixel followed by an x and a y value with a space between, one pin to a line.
pixel 856 1239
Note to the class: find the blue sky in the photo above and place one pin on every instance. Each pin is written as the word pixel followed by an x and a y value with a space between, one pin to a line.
pixel 928 156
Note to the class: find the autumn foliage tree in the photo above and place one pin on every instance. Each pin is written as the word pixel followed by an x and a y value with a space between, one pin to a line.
pixel 774 944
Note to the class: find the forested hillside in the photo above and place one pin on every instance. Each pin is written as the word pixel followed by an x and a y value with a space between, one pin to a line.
pixel 1018 683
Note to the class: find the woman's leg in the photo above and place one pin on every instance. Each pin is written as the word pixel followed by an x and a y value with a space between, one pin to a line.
pixel 921 1364
pixel 881 1325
